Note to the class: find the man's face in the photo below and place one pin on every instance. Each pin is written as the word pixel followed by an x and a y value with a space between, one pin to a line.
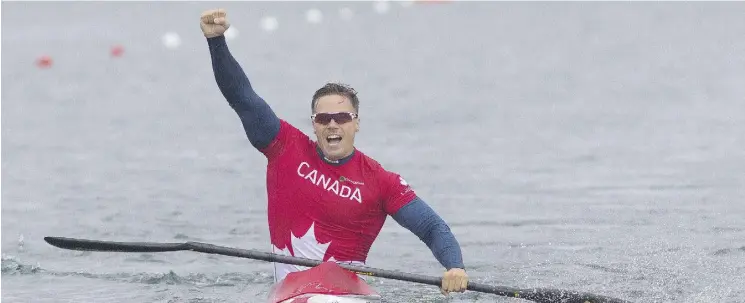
pixel 335 125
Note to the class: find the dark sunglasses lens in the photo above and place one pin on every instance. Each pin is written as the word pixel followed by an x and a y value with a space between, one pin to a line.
pixel 323 119
pixel 340 118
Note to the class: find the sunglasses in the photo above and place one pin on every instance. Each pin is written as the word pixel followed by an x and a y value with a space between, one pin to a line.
pixel 340 117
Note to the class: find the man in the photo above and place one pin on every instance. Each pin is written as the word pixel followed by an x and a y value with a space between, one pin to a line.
pixel 327 200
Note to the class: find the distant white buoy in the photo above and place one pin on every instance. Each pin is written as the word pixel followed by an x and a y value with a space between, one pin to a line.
pixel 269 23
pixel 171 40
pixel 231 33
pixel 346 13
pixel 381 6
pixel 314 16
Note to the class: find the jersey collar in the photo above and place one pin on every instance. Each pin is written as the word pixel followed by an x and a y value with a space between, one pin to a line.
pixel 335 162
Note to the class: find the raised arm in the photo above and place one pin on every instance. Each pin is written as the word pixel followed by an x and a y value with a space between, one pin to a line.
pixel 259 120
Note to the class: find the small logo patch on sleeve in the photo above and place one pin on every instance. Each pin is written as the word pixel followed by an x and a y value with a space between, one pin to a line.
pixel 407 187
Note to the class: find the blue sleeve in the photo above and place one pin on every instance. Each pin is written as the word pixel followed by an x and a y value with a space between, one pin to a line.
pixel 422 220
pixel 259 120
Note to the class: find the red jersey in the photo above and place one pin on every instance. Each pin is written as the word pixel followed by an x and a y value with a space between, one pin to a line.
pixel 324 211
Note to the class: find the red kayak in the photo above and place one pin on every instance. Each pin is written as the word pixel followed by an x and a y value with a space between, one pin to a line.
pixel 327 282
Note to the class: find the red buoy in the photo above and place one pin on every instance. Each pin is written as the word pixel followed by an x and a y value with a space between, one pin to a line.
pixel 44 62
pixel 117 51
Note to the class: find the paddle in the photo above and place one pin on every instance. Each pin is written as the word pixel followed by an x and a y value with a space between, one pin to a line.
pixel 542 295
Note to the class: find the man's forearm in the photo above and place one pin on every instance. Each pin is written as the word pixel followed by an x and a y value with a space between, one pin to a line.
pixel 259 120
pixel 422 220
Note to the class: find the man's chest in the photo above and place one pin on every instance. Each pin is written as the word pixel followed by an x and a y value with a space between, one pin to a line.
pixel 319 188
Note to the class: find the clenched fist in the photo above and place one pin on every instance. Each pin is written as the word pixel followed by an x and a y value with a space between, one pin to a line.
pixel 214 23
pixel 454 280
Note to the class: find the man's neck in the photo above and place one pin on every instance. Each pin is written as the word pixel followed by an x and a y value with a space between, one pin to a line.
pixel 334 162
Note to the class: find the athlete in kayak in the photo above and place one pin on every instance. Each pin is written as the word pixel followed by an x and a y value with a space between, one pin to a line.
pixel 327 200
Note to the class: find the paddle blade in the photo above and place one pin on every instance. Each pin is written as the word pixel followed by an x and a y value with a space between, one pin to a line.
pixel 93 245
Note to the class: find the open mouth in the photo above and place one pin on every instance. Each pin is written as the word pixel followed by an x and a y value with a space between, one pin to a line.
pixel 333 139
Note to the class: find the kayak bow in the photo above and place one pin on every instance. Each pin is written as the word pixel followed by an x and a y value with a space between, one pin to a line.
pixel 327 282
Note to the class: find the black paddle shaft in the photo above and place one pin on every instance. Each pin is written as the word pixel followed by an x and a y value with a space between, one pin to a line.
pixel 534 294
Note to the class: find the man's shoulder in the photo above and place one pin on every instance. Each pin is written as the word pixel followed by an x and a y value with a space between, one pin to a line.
pixel 393 189
pixel 291 132
pixel 288 138
pixel 372 165
pixel 290 128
